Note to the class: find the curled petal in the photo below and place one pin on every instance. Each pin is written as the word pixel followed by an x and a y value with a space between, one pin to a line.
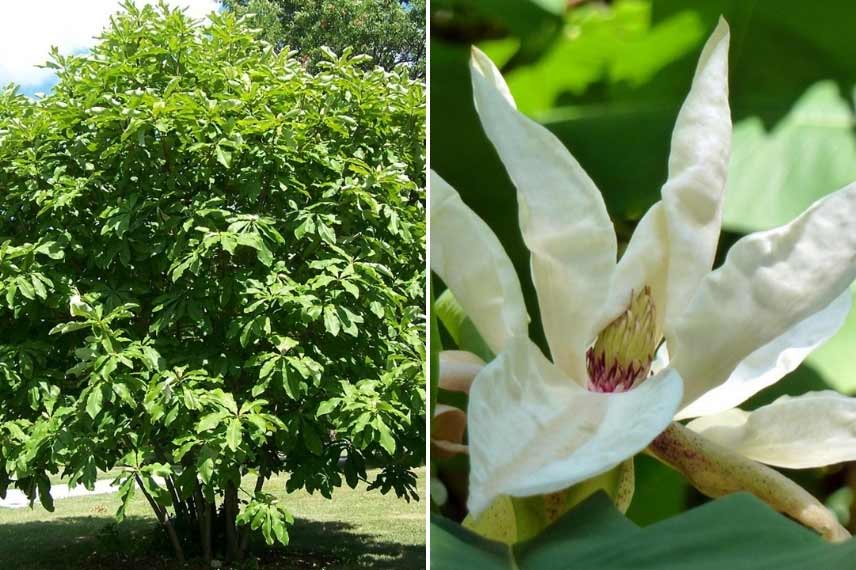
pixel 770 281
pixel 458 369
pixel 447 431
pixel 469 258
pixel 563 220
pixel 533 430
pixel 812 430
pixel 771 362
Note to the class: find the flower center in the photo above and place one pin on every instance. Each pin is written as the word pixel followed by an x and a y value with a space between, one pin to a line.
pixel 621 357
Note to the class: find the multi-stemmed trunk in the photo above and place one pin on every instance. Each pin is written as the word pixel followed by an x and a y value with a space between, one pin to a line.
pixel 199 513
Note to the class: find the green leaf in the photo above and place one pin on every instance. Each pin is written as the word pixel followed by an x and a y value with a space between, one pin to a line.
pixel 327 406
pixel 289 382
pixel 776 174
pixel 121 389
pixel 280 531
pixel 63 328
pixel 224 156
pixel 79 308
pixel 351 288
pixel 386 440
pixel 737 531
pixel 326 233
pixel 205 464
pixel 93 401
pixel 44 486
pixel 26 288
pixel 452 398
pixel 126 495
pixel 268 366
pixel 307 226
pixel 265 255
pixel 51 249
pixel 331 320
pixel 229 243
pixel 833 361
pixel 233 434
pixel 525 18
pixel 210 421
pixel 460 327
pixel 16 431
pixel 377 309
pixel 39 287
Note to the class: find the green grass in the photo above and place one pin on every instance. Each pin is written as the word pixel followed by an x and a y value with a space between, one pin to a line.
pixel 356 529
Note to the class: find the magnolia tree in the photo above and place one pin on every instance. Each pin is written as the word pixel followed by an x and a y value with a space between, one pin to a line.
pixel 211 267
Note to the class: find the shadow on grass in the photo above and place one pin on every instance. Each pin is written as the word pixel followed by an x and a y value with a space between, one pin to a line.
pixel 343 545
pixel 97 543
pixel 74 542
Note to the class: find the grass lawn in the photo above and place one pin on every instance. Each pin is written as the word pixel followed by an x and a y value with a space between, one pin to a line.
pixel 356 529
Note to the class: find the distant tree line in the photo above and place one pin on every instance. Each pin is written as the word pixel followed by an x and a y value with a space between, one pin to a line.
pixel 392 32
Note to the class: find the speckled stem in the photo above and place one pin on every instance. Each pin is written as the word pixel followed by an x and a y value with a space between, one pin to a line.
pixel 626 485
pixel 716 471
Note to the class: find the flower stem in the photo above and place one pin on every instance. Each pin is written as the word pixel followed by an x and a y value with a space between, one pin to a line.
pixel 716 471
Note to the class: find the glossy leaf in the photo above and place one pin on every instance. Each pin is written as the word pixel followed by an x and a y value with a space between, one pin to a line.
pixel 737 531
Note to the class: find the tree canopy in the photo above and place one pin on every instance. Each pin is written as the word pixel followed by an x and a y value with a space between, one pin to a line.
pixel 392 32
pixel 211 267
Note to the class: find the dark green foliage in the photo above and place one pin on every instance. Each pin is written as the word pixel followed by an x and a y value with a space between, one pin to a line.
pixel 211 265
pixel 737 531
pixel 392 32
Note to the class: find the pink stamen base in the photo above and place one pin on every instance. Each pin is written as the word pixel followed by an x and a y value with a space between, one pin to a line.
pixel 612 378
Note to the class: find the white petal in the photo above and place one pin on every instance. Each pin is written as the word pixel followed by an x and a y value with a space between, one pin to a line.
pixel 675 242
pixel 769 282
pixel 661 359
pixel 698 164
pixel 563 219
pixel 771 362
pixel 468 257
pixel 644 263
pixel 812 430
pixel 533 430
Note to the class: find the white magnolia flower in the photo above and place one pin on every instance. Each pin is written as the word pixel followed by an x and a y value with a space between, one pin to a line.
pixel 538 426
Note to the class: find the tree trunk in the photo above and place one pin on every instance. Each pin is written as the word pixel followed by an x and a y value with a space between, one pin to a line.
pixel 230 512
pixel 177 503
pixel 190 508
pixel 204 510
pixel 206 531
pixel 163 518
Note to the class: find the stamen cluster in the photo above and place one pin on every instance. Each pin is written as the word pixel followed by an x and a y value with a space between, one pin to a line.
pixel 621 357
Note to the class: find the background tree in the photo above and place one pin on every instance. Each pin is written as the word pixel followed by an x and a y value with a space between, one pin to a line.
pixel 211 267
pixel 392 32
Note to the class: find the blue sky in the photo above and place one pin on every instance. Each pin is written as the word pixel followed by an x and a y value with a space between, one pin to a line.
pixel 29 28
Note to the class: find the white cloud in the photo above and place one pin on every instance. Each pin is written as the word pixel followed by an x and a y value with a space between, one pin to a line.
pixel 28 29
